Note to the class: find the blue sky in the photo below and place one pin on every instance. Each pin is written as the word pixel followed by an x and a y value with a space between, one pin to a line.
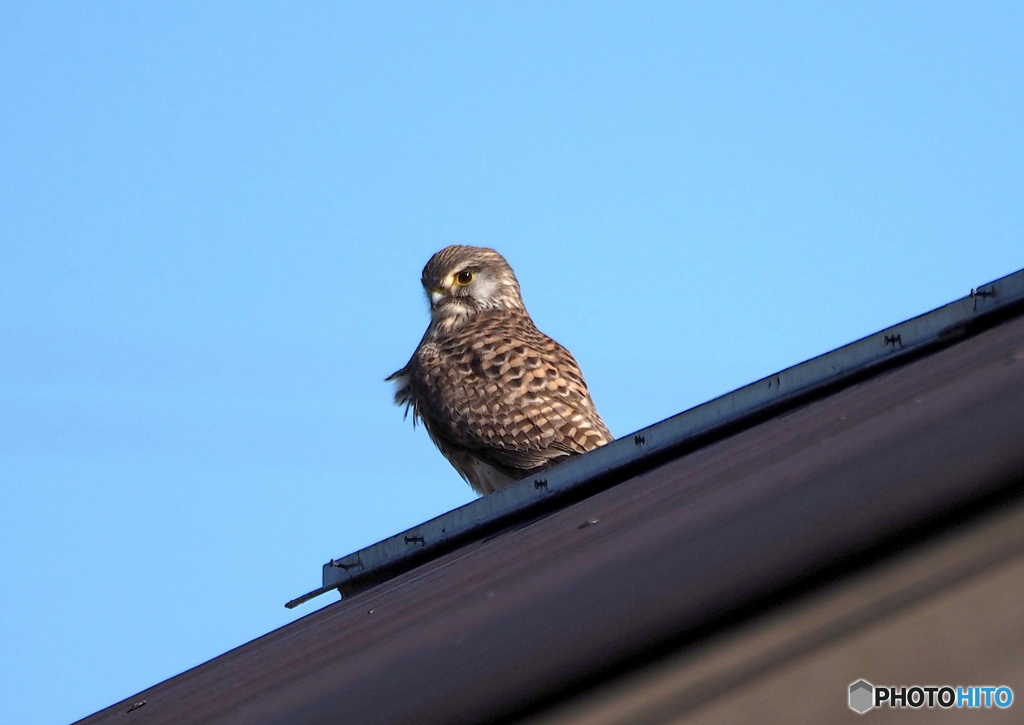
pixel 213 217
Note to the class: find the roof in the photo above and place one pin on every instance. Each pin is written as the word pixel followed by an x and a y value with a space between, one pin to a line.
pixel 667 547
pixel 584 475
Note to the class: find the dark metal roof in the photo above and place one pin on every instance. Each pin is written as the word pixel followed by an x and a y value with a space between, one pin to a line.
pixel 944 612
pixel 688 545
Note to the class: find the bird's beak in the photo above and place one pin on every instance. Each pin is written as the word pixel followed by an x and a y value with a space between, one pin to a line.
pixel 436 295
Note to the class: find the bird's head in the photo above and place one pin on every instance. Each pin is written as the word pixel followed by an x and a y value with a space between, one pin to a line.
pixel 461 281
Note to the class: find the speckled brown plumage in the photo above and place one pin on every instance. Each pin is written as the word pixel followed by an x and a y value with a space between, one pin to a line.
pixel 499 398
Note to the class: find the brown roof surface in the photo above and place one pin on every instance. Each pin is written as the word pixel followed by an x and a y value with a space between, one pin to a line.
pixel 654 565
pixel 944 613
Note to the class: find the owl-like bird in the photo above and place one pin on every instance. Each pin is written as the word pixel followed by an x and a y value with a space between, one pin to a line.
pixel 500 399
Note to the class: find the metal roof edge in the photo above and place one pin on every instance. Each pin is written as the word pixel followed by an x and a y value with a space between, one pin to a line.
pixel 647 447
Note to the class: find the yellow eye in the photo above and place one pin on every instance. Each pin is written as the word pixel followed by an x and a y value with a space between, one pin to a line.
pixel 464 277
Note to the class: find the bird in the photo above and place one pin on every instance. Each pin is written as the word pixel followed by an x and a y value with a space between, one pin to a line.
pixel 501 400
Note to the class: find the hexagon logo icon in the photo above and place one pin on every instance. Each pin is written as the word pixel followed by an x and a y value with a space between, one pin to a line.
pixel 861 696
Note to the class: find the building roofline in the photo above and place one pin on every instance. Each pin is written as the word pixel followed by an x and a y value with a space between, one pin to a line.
pixel 604 467
pixel 803 515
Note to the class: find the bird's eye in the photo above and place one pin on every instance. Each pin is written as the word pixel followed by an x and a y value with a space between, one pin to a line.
pixel 464 277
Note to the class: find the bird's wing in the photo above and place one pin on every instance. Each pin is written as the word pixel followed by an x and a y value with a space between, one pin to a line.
pixel 504 392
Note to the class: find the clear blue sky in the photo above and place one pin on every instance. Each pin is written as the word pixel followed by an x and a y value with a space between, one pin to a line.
pixel 213 217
